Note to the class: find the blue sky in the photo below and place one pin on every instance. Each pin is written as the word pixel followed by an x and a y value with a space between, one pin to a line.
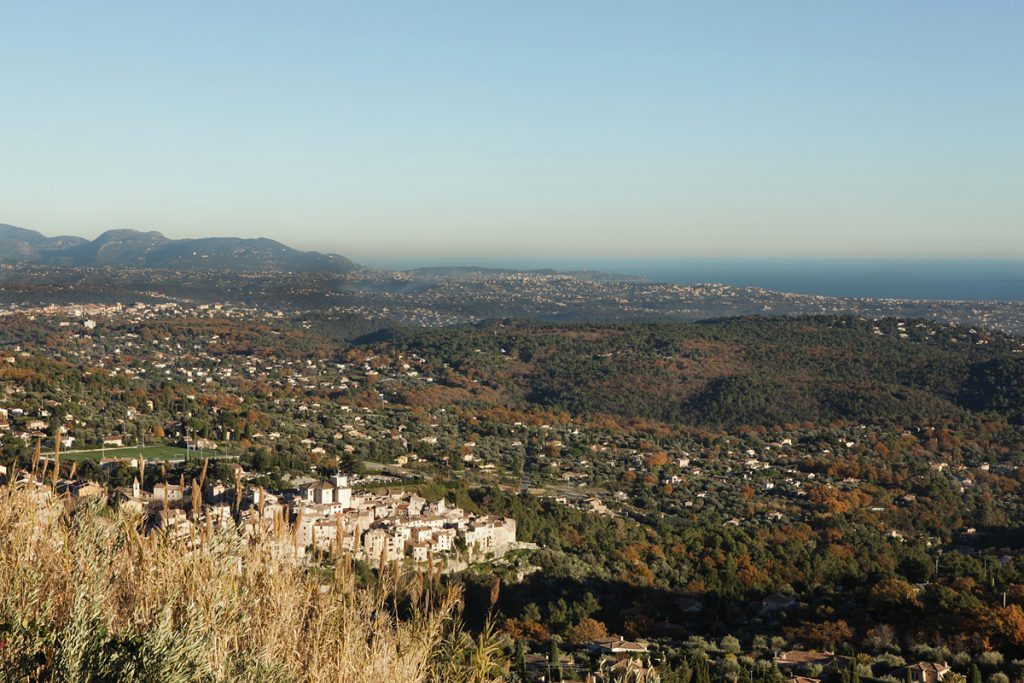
pixel 453 130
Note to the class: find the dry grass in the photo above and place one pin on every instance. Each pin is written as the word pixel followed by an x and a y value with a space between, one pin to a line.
pixel 91 597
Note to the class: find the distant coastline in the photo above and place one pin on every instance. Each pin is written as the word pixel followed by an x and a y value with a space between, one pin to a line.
pixel 933 279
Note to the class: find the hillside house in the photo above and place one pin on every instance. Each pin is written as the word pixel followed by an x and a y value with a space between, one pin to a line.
pixel 617 645
pixel 927 672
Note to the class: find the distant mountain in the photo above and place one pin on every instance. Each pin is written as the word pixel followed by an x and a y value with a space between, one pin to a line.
pixel 19 244
pixel 124 248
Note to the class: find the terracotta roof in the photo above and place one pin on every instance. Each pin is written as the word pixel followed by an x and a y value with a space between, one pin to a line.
pixel 618 643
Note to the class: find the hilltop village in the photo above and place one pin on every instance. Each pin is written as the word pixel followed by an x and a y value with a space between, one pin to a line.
pixel 323 516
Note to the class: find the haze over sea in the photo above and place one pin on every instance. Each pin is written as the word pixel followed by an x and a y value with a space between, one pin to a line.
pixel 945 279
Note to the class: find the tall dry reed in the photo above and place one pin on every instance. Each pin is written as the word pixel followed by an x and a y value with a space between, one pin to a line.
pixel 92 597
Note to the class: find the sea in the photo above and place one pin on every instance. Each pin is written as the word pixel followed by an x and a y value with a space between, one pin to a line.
pixel 960 280
pixel 935 279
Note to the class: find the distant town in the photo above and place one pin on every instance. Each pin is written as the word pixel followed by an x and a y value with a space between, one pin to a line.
pixel 366 300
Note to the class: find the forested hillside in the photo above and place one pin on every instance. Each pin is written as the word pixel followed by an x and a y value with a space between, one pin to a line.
pixel 734 372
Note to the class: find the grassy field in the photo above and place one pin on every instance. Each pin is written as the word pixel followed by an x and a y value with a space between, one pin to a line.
pixel 151 453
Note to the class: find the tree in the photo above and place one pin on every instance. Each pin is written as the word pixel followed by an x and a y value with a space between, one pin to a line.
pixel 555 660
pixel 1010 623
pixel 558 614
pixel 894 592
pixel 588 606
pixel 531 612
pixel 524 629
pixel 656 460
pixel 975 674
pixel 701 670
pixel 520 661
pixel 828 633
pixel 681 674
pixel 587 631
pixel 730 644
pixel 851 674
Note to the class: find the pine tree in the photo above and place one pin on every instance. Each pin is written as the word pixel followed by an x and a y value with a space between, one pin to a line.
pixel 975 675
pixel 520 660
pixel 701 672
pixel 684 673
pixel 555 660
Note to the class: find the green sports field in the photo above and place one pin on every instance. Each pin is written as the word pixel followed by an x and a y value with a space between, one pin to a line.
pixel 151 453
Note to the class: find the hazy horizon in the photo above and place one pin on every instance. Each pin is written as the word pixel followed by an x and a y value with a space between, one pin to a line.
pixel 958 279
pixel 565 262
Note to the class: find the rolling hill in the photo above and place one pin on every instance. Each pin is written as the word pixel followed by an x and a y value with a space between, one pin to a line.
pixel 729 373
pixel 132 248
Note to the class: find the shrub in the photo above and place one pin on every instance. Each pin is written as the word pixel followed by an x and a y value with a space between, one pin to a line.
pixel 729 645
pixel 889 662
pixel 92 597
pixel 989 660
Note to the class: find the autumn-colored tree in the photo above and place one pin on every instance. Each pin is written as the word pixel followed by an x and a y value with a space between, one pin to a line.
pixel 638 626
pixel 587 631
pixel 828 634
pixel 526 629
pixel 894 592
pixel 1008 622
pixel 1015 592
pixel 656 460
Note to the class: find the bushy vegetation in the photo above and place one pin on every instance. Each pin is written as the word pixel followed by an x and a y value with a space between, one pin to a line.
pixel 92 597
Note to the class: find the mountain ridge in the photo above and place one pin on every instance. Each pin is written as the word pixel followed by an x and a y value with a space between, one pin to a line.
pixel 152 249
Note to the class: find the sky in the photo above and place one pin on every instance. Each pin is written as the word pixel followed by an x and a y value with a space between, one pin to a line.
pixel 434 130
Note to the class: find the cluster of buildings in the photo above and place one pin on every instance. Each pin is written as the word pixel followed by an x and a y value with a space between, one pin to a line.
pixel 796 662
pixel 394 525
pixel 328 516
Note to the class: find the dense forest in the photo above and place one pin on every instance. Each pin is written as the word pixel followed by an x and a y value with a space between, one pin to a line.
pixel 736 372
